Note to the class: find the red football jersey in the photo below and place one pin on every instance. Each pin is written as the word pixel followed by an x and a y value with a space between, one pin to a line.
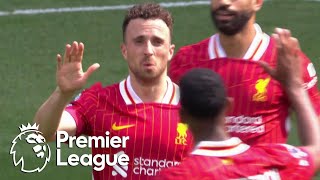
pixel 232 159
pixel 157 139
pixel 261 107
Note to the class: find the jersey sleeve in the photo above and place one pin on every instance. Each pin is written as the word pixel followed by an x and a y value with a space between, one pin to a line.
pixel 82 109
pixel 300 161
pixel 310 82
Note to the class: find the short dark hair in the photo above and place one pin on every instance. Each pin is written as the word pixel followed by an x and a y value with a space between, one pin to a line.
pixel 147 11
pixel 203 94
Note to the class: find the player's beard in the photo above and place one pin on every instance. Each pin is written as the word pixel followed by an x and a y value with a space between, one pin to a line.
pixel 233 26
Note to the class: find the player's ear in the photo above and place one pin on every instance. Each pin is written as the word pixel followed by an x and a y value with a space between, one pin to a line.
pixel 171 51
pixel 257 4
pixel 124 50
pixel 229 105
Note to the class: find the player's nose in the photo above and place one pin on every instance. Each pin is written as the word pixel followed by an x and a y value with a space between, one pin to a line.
pixel 148 48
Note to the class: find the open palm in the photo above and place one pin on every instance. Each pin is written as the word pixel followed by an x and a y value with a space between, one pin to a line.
pixel 70 76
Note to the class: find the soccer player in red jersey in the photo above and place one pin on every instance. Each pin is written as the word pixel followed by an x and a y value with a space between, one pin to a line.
pixel 217 155
pixel 144 107
pixel 262 108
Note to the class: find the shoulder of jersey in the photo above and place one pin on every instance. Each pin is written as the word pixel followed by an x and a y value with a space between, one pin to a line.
pixel 99 88
pixel 195 46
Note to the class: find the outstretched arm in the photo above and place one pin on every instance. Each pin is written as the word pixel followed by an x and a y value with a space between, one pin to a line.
pixel 70 78
pixel 289 73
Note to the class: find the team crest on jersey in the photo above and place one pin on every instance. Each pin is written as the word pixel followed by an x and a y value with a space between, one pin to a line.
pixel 227 161
pixel 181 134
pixel 261 88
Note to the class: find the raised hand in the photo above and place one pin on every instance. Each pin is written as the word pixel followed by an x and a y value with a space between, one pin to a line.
pixel 288 69
pixel 69 75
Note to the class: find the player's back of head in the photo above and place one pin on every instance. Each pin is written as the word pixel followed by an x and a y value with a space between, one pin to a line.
pixel 203 94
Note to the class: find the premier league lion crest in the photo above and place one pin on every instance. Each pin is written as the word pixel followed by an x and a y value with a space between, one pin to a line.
pixel 37 149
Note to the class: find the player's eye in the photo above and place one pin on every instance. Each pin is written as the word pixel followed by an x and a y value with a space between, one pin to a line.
pixel 157 41
pixel 139 40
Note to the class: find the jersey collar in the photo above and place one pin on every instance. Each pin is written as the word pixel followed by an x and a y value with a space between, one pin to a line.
pixel 256 49
pixel 230 147
pixel 172 95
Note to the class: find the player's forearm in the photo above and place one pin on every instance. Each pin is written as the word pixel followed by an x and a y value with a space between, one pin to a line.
pixel 308 123
pixel 49 114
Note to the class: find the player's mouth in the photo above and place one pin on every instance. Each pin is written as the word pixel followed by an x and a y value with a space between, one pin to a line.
pixel 224 15
pixel 148 65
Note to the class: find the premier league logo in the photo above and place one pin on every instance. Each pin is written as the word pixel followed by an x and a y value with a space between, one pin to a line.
pixel 36 148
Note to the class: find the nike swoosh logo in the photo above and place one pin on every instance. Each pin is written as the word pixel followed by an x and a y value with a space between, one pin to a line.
pixel 117 128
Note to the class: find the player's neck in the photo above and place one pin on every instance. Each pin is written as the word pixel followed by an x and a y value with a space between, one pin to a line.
pixel 237 45
pixel 217 134
pixel 209 131
pixel 151 91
